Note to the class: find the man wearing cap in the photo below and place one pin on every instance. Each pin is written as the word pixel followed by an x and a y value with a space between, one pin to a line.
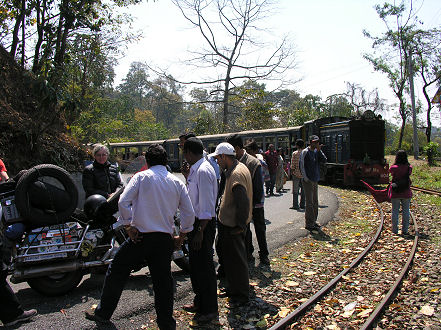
pixel 310 160
pixel 202 188
pixel 235 212
pixel 255 169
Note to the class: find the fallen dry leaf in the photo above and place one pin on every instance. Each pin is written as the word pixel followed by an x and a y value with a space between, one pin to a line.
pixel 365 313
pixel 427 310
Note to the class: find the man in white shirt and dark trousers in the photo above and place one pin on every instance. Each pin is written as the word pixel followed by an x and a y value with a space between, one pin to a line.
pixel 147 207
pixel 202 188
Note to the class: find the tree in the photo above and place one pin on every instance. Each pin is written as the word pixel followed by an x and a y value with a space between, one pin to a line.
pixel 229 30
pixel 428 59
pixel 50 26
pixel 251 107
pixel 395 44
pixel 294 110
pixel 363 100
pixel 136 85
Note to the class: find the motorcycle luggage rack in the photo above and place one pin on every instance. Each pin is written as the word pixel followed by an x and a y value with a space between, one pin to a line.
pixel 29 257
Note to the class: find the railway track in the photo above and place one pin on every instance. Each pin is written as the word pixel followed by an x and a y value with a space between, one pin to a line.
pixel 383 254
pixel 427 191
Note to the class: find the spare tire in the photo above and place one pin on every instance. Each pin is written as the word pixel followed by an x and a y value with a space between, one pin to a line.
pixel 29 205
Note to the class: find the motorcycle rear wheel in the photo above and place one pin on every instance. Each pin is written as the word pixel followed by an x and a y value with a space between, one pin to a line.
pixel 57 284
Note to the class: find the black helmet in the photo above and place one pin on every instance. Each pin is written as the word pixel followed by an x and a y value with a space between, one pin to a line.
pixel 92 204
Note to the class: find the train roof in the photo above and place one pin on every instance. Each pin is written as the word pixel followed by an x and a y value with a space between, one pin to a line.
pixel 208 137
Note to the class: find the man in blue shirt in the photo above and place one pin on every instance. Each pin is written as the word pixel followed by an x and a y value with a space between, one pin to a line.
pixel 310 160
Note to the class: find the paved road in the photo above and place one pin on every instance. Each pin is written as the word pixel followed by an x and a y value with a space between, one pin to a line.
pixel 67 312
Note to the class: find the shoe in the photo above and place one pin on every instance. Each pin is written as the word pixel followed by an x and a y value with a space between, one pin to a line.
pixel 250 259
pixel 27 315
pixel 236 303
pixel 294 207
pixel 315 227
pixel 206 318
pixel 264 260
pixel 191 308
pixel 90 315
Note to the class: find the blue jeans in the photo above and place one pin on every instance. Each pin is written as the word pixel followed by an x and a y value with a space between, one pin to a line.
pixel 405 207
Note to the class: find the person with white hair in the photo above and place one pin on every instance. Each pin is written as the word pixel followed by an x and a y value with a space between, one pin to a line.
pixel 101 177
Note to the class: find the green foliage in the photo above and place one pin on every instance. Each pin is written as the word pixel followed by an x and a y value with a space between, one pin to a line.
pixel 252 108
pixel 407 142
pixel 432 150
pixel 204 123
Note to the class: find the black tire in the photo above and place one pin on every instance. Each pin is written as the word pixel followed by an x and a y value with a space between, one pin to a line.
pixel 57 284
pixel 39 217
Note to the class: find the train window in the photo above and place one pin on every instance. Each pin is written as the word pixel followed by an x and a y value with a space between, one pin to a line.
pixel 211 147
pixel 170 150
pixel 283 142
pixel 269 140
pixel 259 141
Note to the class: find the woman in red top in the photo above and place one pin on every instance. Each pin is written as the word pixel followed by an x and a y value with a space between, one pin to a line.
pixel 3 174
pixel 399 170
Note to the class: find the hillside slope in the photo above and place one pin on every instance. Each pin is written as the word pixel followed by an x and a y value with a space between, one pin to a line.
pixel 32 128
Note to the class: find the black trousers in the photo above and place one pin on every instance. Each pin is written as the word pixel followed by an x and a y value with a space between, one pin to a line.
pixel 156 249
pixel 260 229
pixel 10 306
pixel 235 263
pixel 202 271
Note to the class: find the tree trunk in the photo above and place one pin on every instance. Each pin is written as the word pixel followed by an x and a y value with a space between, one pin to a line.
pixel 41 21
pixel 403 122
pixel 14 44
pixel 226 99
pixel 23 35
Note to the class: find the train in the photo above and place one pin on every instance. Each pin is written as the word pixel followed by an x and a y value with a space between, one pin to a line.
pixel 353 146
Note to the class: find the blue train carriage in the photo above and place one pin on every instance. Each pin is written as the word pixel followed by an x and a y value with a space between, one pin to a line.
pixel 125 152
pixel 355 150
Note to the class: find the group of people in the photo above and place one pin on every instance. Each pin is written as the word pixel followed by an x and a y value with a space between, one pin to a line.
pixel 224 191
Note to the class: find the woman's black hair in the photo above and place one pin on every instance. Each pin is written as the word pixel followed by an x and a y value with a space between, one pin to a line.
pixel 401 158
pixel 300 143
pixel 156 155
pixel 194 145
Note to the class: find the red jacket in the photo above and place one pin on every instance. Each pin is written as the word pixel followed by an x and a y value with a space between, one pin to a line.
pixel 398 172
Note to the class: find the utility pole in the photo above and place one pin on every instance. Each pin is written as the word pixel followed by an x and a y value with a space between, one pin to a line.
pixel 416 150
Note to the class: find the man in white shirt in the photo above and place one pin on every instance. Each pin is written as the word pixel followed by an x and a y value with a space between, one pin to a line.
pixel 202 188
pixel 147 207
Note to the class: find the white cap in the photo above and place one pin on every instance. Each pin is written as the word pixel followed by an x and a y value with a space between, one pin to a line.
pixel 223 148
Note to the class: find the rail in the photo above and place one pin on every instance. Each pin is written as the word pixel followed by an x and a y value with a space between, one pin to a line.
pixel 372 319
pixel 427 191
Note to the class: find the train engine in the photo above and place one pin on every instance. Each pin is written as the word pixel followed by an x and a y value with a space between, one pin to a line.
pixel 355 150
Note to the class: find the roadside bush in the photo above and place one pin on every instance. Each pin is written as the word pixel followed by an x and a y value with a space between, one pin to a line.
pixel 432 151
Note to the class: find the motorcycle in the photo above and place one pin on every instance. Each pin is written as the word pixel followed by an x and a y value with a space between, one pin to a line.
pixel 60 243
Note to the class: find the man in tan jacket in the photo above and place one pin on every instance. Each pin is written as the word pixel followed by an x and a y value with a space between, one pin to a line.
pixel 235 213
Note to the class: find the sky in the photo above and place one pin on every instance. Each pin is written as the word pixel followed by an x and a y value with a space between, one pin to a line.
pixel 326 35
